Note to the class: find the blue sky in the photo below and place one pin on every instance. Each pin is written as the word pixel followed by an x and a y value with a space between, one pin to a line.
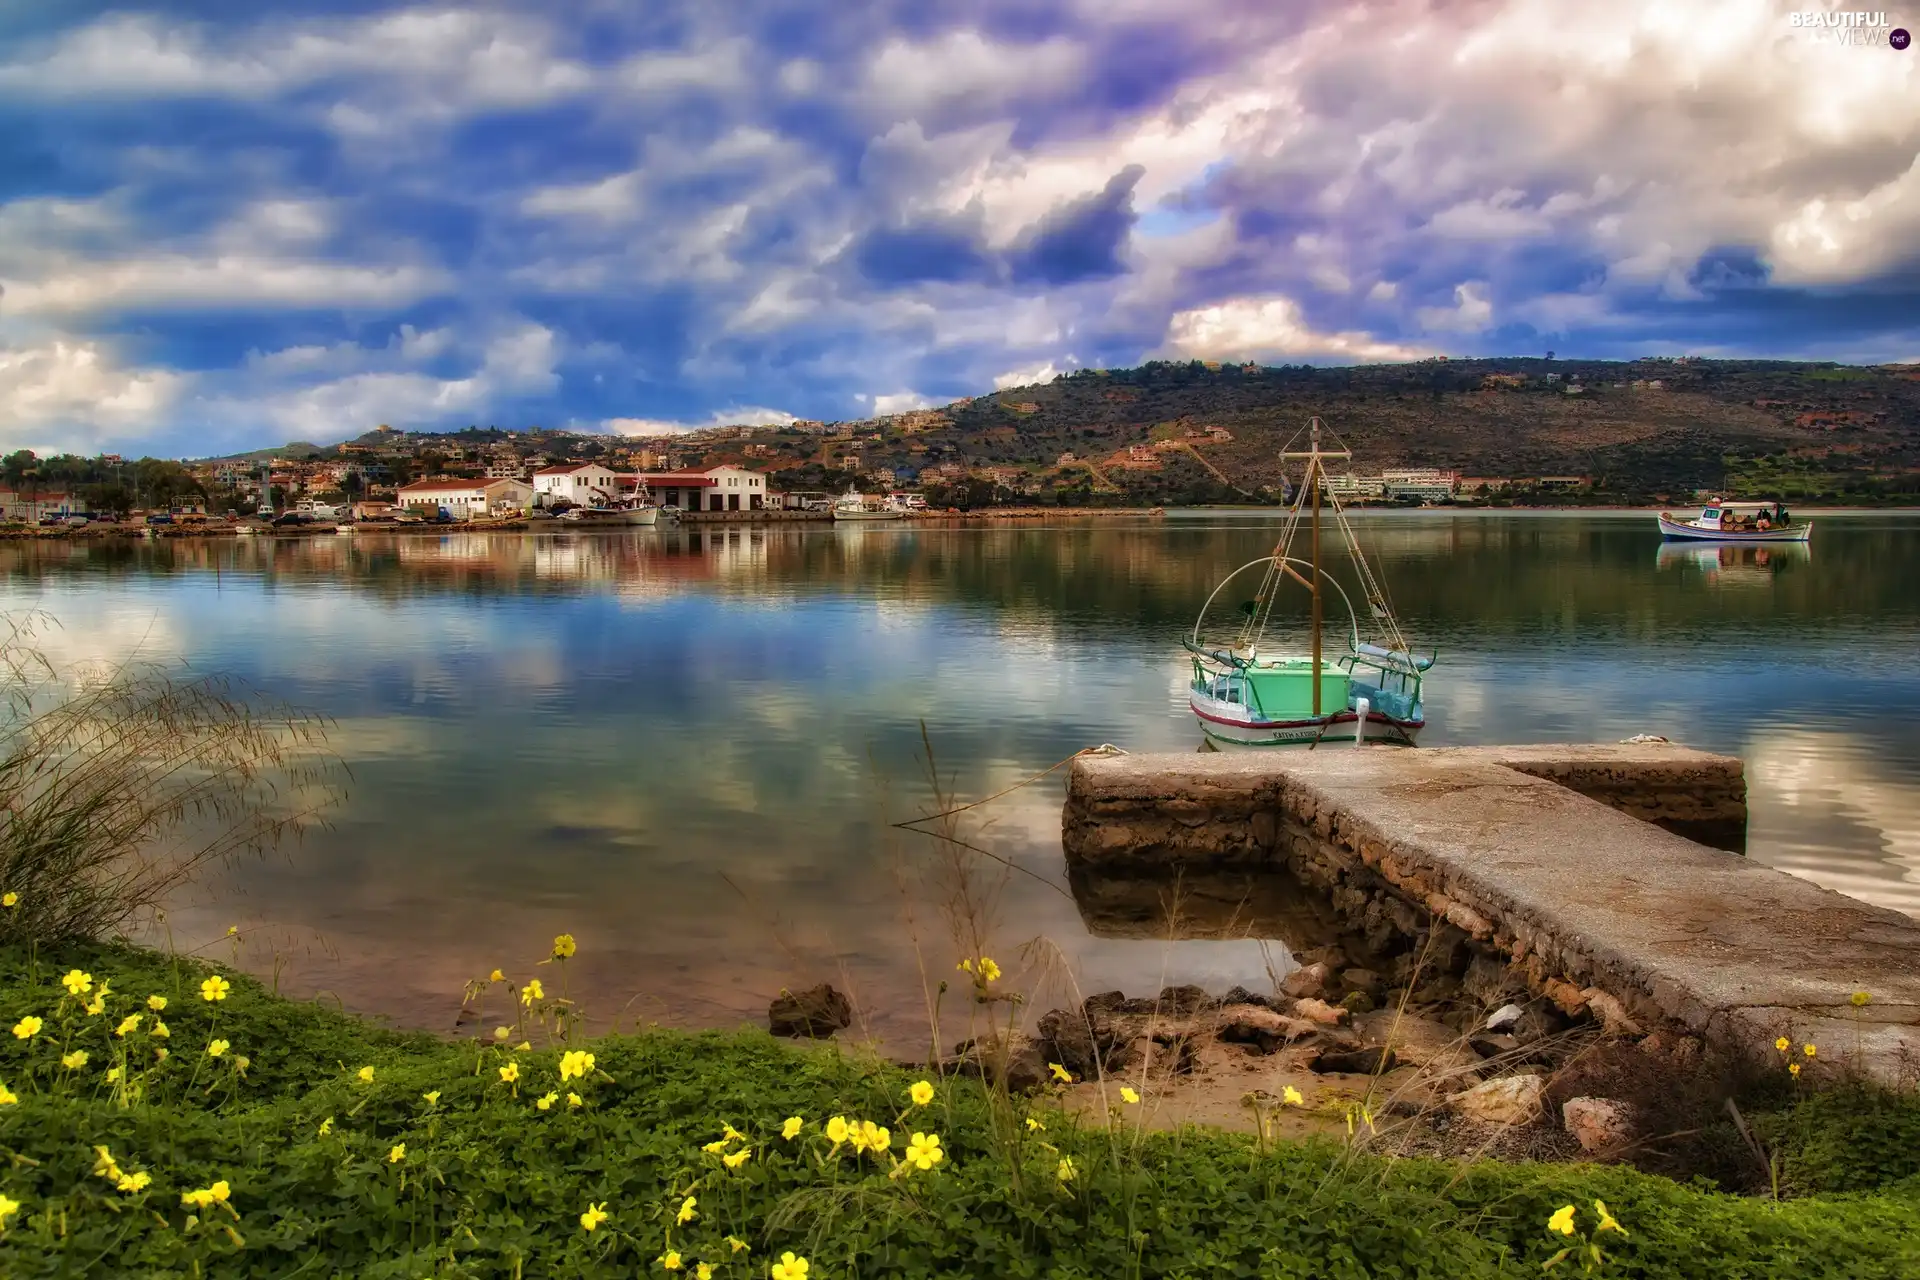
pixel 221 233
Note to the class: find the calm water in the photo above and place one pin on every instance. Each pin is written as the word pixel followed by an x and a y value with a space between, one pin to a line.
pixel 686 747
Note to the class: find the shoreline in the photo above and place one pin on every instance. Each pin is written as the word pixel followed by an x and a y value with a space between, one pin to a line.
pixel 735 519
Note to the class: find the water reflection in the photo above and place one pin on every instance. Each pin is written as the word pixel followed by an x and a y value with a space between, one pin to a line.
pixel 1727 565
pixel 685 745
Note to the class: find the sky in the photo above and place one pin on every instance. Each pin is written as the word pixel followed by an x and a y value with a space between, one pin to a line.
pixel 221 233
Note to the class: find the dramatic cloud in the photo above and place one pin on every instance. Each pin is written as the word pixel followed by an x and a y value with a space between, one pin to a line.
pixel 216 232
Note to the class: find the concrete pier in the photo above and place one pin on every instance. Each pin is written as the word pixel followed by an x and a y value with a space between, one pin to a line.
pixel 1555 859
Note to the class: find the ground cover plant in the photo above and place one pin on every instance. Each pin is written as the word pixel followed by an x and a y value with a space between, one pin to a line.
pixel 162 1118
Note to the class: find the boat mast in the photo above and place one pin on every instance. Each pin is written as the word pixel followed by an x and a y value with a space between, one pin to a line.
pixel 1313 478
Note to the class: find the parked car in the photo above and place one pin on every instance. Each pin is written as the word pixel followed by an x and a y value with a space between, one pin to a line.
pixel 291 519
pixel 75 521
pixel 159 517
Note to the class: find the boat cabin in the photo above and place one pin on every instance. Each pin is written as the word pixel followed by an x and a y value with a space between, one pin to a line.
pixel 1728 517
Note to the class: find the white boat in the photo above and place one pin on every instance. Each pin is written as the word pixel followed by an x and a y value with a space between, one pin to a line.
pixel 853 505
pixel 638 514
pixel 1737 522
pixel 1245 695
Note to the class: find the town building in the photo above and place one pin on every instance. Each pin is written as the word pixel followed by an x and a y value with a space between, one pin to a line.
pixel 466 499
pixel 724 488
pixel 1424 483
pixel 583 484
pixel 37 505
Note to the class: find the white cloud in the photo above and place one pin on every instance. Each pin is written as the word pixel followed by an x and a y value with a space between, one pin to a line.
pixel 71 394
pixel 753 416
pixel 1267 328
pixel 1472 311
pixel 182 281
pixel 906 78
pixel 899 402
pixel 1030 377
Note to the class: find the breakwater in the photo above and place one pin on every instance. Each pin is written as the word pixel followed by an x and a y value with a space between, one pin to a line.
pixel 1565 866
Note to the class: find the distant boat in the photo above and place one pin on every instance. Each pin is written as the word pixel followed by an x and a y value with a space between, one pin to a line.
pixel 1247 697
pixel 1737 522
pixel 857 506
pixel 634 515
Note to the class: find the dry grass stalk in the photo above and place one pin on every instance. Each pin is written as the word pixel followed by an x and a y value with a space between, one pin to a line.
pixel 121 783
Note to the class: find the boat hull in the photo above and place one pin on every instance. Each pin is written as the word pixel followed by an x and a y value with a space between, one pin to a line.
pixel 604 519
pixel 1681 531
pixel 840 514
pixel 1228 723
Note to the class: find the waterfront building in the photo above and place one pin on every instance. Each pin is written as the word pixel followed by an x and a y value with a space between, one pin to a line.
pixel 725 488
pixel 584 484
pixel 466 499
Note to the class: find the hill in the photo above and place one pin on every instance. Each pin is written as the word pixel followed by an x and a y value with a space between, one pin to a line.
pixel 1638 429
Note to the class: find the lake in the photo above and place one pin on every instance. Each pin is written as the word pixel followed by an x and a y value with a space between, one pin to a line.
pixel 686 747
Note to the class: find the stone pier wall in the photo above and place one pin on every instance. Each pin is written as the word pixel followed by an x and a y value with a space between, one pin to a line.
pixel 1556 866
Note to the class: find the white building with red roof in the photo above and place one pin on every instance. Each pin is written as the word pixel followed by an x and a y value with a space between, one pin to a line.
pixel 715 489
pixel 584 484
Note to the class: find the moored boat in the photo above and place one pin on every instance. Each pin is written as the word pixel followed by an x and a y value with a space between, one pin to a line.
pixel 853 505
pixel 1737 522
pixel 1245 695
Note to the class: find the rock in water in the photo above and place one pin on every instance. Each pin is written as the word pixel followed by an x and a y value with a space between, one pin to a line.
pixel 813 1014
pixel 1598 1124
pixel 1509 1100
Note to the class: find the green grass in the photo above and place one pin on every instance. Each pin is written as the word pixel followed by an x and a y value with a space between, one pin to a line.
pixel 490 1185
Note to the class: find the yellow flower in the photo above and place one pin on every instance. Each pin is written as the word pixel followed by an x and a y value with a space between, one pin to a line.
pixel 1034 1125
pixel 738 1158
pixel 397 1153
pixel 216 1048
pixel 546 1100
pixel 8 1207
pixel 159 1031
pixel 670 1260
pixel 790 1268
pixel 563 947
pixel 1128 1096
pixel 687 1211
pixel 496 976
pixel 97 1005
pixel 1793 1068
pixel 75 1060
pixel 432 1096
pixel 736 1243
pixel 77 983
pixel 7 1096
pixel 219 1191
pixel 365 1074
pixel 575 1064
pixel 1783 1044
pixel 594 1216
pixel 989 971
pixel 533 991
pixel 923 1151
pixel 501 1033
pixel 104 1165
pixel 156 1003
pixel 127 1024
pixel 1060 1073
pixel 1807 1049
pixel 326 1126
pixel 510 1072
pixel 1562 1220
pixel 1066 1172
pixel 965 966
pixel 921 1093
pixel 1607 1221
pixel 1860 999
pixel 160 1054
pixel 730 1133
pixel 9 900
pixel 1292 1097
pixel 875 1138
pixel 203 1198
pixel 27 1028
pixel 525 1046
pixel 791 1129
pixel 215 989
pixel 241 1062
pixel 703 1272
pixel 837 1131
pixel 131 1182
pixel 574 1100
